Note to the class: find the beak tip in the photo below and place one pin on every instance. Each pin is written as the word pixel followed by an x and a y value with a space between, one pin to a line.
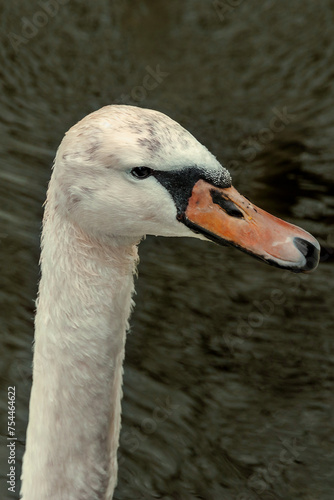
pixel 310 251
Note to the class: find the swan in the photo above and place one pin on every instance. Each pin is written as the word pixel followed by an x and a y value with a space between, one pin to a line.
pixel 119 174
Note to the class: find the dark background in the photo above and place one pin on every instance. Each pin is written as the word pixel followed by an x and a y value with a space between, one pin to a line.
pixel 229 376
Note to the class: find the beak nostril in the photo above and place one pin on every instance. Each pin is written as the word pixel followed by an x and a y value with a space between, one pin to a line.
pixel 310 252
pixel 228 206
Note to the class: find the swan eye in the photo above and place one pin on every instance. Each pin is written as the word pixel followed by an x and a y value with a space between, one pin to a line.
pixel 141 172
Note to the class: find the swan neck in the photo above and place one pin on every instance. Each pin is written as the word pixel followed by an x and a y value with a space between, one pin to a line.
pixel 81 320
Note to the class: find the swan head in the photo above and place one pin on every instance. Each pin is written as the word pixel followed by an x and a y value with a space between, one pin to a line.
pixel 125 172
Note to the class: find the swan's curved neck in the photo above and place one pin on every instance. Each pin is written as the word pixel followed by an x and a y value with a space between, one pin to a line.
pixel 82 311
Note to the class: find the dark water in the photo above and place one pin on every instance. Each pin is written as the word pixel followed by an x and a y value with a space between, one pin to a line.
pixel 229 373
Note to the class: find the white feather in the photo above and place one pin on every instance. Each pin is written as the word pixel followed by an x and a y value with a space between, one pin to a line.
pixel 95 214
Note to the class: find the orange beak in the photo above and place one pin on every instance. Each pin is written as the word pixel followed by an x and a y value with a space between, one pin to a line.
pixel 226 217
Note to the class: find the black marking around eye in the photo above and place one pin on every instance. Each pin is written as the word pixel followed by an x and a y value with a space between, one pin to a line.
pixel 180 183
pixel 228 206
